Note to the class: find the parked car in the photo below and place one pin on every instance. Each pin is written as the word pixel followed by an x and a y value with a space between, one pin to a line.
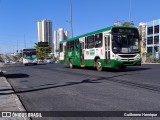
pixel 49 60
pixel 57 61
pixel 40 61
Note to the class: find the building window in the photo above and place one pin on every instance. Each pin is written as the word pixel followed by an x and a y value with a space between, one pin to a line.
pixel 156 49
pixel 150 30
pixel 149 49
pixel 156 29
pixel 156 39
pixel 150 40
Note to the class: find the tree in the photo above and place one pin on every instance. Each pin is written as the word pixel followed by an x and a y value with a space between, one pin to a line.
pixel 16 57
pixel 1 59
pixel 127 23
pixel 142 33
pixel 42 52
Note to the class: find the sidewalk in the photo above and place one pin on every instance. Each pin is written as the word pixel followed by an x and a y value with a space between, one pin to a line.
pixel 9 100
pixel 149 63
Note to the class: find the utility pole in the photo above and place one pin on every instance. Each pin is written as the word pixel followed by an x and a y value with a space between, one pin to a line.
pixel 17 46
pixel 71 27
pixel 24 41
pixel 129 10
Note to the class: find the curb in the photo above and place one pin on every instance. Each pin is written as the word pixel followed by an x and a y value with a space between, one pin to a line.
pixel 150 63
pixel 14 98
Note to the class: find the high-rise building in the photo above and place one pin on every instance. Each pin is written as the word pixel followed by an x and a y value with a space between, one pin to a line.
pixel 45 31
pixel 59 35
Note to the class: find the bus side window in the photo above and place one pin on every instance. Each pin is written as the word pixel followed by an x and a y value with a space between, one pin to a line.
pixel 98 40
pixel 76 44
pixel 86 44
pixel 90 41
pixel 61 47
pixel 82 46
pixel 71 46
pixel 67 46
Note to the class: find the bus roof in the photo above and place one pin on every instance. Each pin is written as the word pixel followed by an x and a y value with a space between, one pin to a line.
pixel 95 32
pixel 28 49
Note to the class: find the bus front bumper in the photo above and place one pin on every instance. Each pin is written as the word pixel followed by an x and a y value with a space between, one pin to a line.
pixel 117 63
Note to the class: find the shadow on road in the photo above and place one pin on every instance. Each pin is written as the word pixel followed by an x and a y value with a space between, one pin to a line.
pixel 50 86
pixel 86 81
pixel 128 69
pixel 17 75
pixel 57 86
pixel 5 90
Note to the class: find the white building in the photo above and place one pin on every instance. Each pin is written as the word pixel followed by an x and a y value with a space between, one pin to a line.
pixel 153 37
pixel 59 35
pixel 45 31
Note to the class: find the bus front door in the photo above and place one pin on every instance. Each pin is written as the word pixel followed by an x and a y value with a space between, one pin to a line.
pixel 82 53
pixel 107 49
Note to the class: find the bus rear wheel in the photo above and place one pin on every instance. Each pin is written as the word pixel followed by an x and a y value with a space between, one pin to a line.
pixel 98 65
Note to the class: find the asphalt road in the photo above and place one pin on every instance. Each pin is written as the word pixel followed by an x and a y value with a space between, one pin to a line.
pixel 55 87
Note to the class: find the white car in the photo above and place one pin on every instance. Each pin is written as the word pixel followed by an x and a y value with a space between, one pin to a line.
pixel 49 60
pixel 40 61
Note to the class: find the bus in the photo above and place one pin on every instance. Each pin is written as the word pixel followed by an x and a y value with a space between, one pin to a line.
pixel 113 47
pixel 29 56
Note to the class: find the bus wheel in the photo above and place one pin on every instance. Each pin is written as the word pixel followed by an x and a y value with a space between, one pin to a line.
pixel 70 63
pixel 98 65
pixel 122 68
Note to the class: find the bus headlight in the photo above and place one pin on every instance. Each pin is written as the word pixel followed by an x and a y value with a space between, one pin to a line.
pixel 117 57
pixel 138 57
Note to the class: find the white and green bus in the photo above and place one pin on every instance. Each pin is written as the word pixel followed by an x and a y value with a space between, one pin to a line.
pixel 115 46
pixel 29 56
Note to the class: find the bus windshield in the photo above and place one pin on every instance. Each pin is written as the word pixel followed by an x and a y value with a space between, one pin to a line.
pixel 29 54
pixel 125 43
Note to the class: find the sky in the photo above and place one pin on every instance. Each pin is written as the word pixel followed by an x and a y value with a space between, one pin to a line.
pixel 18 18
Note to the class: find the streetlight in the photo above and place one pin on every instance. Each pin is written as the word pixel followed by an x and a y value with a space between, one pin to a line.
pixel 17 46
pixel 71 27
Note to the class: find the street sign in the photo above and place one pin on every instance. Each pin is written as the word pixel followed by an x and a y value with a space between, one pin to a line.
pixel 43 44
